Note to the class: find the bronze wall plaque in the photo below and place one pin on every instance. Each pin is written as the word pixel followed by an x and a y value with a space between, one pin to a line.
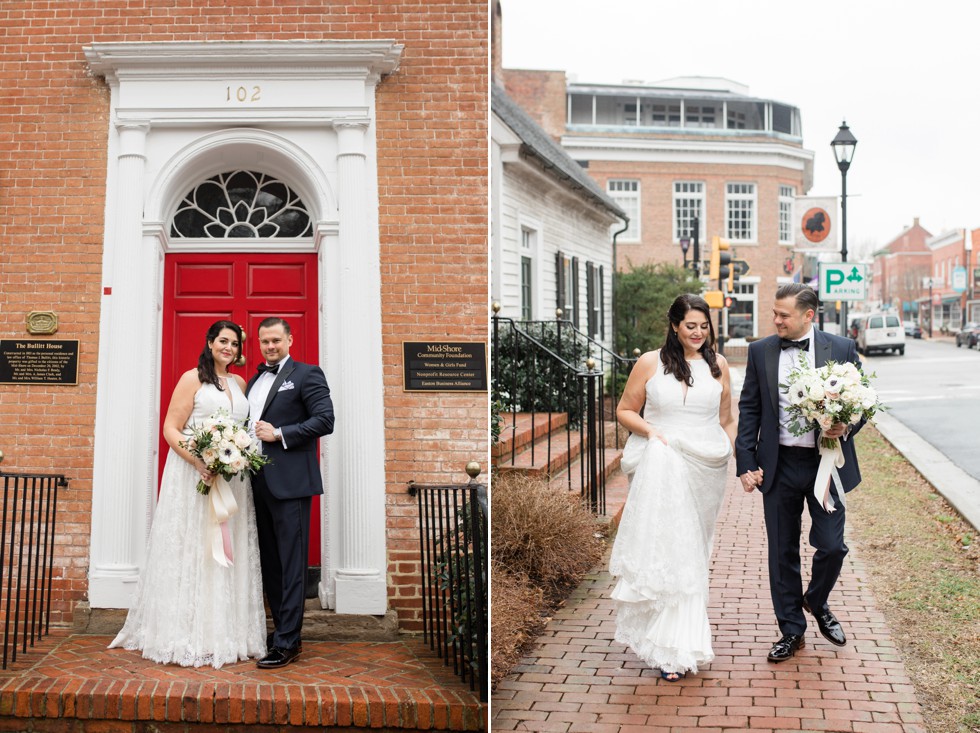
pixel 38 361
pixel 444 366
pixel 42 322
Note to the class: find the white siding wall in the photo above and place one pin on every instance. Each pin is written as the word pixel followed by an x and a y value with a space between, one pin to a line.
pixel 564 222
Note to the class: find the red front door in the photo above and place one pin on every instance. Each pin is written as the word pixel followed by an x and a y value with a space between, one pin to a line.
pixel 199 289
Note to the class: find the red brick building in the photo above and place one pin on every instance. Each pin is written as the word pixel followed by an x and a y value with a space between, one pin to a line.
pixel 374 117
pixel 694 147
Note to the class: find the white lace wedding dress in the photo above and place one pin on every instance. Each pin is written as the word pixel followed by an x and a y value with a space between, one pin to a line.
pixel 189 610
pixel 664 540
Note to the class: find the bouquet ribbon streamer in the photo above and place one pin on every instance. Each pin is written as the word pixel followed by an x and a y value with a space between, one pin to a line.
pixel 830 460
pixel 223 506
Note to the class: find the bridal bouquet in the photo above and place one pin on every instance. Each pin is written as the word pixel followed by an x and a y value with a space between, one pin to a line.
pixel 225 446
pixel 820 398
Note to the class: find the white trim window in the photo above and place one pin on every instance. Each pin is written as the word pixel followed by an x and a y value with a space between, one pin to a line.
pixel 528 247
pixel 688 204
pixel 626 194
pixel 740 207
pixel 787 195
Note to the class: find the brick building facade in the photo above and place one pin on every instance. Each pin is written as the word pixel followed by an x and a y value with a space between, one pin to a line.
pixel 376 116
pixel 690 147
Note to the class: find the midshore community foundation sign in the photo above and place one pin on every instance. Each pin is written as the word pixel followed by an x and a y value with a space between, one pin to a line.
pixel 41 361
pixel 444 366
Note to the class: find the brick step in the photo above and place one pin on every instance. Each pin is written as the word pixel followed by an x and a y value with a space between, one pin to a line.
pixel 390 685
pixel 565 448
pixel 521 429
pixel 570 478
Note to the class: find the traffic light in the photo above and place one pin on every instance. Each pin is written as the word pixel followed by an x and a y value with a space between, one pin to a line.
pixel 714 299
pixel 721 259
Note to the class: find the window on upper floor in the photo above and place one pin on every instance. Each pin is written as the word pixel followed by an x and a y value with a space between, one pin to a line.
pixel 665 115
pixel 626 194
pixel 740 212
pixel 787 195
pixel 700 115
pixel 688 205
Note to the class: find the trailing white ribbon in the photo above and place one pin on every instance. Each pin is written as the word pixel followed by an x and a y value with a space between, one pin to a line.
pixel 223 506
pixel 831 459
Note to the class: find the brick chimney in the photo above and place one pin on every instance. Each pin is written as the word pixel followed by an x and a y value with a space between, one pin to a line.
pixel 496 45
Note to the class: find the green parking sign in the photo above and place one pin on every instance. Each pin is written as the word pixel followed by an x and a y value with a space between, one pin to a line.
pixel 843 281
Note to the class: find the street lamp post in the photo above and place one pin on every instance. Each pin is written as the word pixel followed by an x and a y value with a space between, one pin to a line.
pixel 843 145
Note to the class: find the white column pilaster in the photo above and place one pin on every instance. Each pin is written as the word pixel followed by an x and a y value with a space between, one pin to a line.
pixel 122 451
pixel 358 444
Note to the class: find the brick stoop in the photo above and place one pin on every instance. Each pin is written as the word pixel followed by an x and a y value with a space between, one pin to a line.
pixel 72 682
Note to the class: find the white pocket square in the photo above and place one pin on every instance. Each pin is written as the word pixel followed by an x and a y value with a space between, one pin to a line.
pixel 285 386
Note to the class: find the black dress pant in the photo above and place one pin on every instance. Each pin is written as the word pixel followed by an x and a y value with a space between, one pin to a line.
pixel 284 538
pixel 783 506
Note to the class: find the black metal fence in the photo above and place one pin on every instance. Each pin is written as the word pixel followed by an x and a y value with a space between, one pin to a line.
pixel 26 558
pixel 535 373
pixel 454 547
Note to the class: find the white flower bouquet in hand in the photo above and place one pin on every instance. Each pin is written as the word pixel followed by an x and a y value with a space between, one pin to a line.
pixel 820 398
pixel 225 446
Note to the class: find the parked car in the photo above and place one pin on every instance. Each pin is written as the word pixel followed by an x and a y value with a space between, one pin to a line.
pixel 968 335
pixel 881 332
pixel 912 329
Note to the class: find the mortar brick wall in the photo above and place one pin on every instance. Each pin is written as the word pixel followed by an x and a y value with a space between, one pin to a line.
pixel 432 163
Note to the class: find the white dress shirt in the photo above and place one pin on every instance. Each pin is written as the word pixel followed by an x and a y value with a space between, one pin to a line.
pixel 789 359
pixel 259 394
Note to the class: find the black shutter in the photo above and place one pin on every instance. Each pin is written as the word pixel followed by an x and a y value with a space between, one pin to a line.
pixel 575 305
pixel 559 280
pixel 602 304
pixel 590 299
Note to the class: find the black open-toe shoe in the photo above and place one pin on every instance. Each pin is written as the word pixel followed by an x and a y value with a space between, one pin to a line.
pixel 672 676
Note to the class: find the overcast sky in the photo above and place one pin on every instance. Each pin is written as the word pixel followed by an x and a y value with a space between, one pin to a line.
pixel 905 75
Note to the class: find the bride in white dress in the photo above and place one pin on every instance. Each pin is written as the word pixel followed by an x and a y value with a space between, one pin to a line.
pixel 189 609
pixel 677 456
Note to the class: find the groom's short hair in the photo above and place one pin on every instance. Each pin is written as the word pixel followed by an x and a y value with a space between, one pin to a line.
pixel 805 296
pixel 276 321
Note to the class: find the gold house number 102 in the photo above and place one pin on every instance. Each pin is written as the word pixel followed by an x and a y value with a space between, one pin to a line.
pixel 242 94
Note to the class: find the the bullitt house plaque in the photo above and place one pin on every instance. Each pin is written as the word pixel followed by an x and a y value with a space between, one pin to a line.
pixel 444 366
pixel 41 361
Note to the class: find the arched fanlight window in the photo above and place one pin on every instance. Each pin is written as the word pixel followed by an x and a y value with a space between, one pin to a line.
pixel 241 204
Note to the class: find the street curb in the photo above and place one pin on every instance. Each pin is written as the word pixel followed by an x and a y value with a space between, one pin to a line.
pixel 959 488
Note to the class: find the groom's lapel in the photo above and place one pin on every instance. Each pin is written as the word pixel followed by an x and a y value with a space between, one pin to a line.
pixel 821 348
pixel 772 373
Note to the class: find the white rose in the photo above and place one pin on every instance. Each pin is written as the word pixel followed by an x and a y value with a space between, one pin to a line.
pixel 242 439
pixel 209 455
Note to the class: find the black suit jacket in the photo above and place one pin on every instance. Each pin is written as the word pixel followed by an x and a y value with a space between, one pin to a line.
pixel 757 443
pixel 299 405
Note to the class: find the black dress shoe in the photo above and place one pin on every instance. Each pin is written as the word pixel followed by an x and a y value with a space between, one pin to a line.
pixel 785 647
pixel 828 624
pixel 278 657
pixel 268 642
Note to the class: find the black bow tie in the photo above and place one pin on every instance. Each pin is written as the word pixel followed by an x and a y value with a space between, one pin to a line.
pixel 784 344
pixel 263 368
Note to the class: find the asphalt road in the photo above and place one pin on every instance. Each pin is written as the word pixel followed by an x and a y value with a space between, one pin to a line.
pixel 934 390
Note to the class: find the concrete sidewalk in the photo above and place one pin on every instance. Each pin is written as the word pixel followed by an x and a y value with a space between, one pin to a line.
pixel 578 679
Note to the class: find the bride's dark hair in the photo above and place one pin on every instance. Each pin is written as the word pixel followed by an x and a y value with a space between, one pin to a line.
pixel 672 352
pixel 205 362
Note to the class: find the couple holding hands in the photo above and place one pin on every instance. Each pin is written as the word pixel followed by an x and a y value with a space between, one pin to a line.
pixel 677 456
pixel 191 610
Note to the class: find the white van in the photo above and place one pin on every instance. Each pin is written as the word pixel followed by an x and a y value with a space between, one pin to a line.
pixel 881 332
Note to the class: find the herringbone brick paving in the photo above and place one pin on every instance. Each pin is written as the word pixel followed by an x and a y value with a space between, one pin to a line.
pixel 384 685
pixel 577 679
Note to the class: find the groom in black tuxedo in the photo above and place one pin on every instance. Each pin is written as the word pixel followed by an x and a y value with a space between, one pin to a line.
pixel 290 406
pixel 783 467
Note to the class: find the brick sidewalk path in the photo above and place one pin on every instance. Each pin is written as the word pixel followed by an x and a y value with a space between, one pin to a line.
pixel 579 679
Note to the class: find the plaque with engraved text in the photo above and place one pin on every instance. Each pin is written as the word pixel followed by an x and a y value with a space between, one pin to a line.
pixel 38 361
pixel 444 366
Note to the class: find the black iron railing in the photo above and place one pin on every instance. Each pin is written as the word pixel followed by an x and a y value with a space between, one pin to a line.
pixel 572 345
pixel 26 558
pixel 453 542
pixel 531 378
